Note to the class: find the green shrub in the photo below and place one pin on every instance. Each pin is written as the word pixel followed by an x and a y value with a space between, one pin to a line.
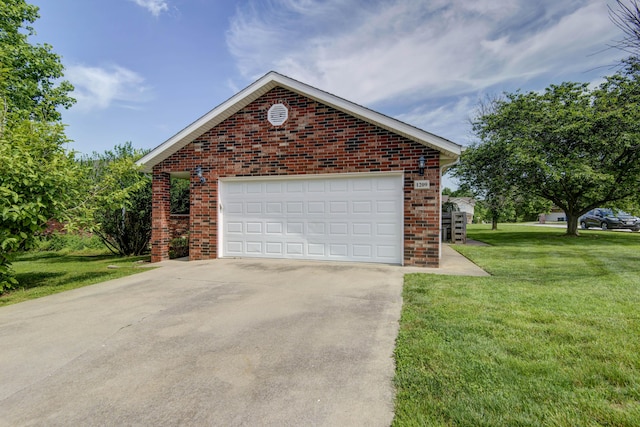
pixel 71 242
pixel 179 247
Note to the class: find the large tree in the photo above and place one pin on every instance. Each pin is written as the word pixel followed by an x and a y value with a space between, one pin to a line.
pixel 626 16
pixel 483 169
pixel 31 73
pixel 38 178
pixel 576 147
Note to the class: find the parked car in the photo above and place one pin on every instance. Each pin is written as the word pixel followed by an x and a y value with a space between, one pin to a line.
pixel 608 219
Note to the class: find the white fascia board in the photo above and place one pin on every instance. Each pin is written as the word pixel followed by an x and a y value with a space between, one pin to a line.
pixel 448 149
pixel 204 123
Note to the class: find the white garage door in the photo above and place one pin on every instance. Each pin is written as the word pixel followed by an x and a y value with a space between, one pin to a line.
pixel 339 218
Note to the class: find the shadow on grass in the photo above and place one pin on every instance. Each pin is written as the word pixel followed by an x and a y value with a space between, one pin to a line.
pixel 586 238
pixel 93 276
pixel 34 256
pixel 57 258
pixel 543 254
pixel 85 258
pixel 55 279
pixel 34 279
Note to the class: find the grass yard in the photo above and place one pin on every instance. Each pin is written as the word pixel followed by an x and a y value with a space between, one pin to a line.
pixel 552 338
pixel 44 273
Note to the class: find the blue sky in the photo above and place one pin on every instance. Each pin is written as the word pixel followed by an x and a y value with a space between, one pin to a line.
pixel 145 69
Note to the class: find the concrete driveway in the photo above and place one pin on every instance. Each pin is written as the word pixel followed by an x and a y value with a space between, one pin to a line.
pixel 224 342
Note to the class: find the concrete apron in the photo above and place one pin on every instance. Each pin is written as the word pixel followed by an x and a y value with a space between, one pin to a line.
pixel 224 342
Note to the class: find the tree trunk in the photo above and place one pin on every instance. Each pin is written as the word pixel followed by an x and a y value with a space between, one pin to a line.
pixel 494 222
pixel 572 225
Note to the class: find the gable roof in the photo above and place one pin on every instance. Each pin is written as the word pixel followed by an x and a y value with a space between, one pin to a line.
pixel 449 151
pixel 468 200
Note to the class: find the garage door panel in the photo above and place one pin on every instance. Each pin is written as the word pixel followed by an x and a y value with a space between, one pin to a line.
pixel 317 186
pixel 274 228
pixel 363 185
pixel 361 229
pixel 295 248
pixel 336 218
pixel 254 188
pixel 338 229
pixel 384 229
pixel 362 207
pixel 362 251
pixel 254 247
pixel 388 185
pixel 316 229
pixel 235 208
pixel 253 208
pixel 273 187
pixel 296 207
pixel 295 186
pixel 317 208
pixel 234 227
pixel 317 249
pixel 234 247
pixel 295 228
pixel 274 248
pixel 386 251
pixel 386 207
pixel 338 186
pixel 339 207
pixel 338 250
pixel 274 208
pixel 254 228
pixel 234 188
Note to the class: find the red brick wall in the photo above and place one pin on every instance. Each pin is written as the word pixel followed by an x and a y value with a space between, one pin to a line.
pixel 315 139
pixel 160 215
pixel 179 225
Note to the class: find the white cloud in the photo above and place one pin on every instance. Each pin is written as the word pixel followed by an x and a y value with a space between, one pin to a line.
pixel 156 7
pixel 99 88
pixel 449 119
pixel 406 50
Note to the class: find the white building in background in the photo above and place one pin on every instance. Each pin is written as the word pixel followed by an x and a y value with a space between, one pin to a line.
pixel 466 205
pixel 555 215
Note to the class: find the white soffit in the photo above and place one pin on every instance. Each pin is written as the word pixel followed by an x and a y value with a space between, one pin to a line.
pixel 447 149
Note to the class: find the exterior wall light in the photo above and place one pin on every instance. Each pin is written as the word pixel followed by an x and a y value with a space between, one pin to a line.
pixel 199 174
pixel 421 165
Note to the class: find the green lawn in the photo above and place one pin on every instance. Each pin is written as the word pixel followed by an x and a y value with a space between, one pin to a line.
pixel 44 273
pixel 552 338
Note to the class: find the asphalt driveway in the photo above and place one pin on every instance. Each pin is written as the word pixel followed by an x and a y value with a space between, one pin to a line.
pixel 223 342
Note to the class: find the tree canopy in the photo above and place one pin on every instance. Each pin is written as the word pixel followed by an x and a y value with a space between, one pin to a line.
pixel 627 18
pixel 31 73
pixel 38 178
pixel 574 146
pixel 484 170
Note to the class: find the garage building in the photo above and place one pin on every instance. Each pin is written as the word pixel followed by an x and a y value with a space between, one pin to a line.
pixel 285 170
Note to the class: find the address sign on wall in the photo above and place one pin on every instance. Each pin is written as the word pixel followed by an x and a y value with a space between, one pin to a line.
pixel 421 185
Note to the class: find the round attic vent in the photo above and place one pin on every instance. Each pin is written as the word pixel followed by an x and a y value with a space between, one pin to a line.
pixel 278 114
